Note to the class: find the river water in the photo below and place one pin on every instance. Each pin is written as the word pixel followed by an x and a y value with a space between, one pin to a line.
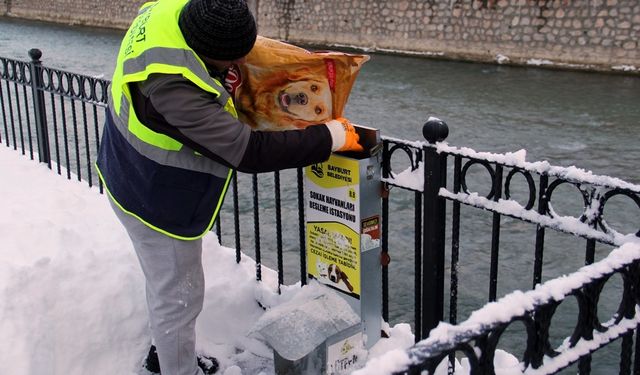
pixel 590 120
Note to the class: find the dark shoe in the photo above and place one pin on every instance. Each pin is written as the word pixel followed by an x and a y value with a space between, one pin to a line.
pixel 152 364
pixel 209 365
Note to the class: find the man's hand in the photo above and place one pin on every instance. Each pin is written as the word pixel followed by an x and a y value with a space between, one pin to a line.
pixel 344 135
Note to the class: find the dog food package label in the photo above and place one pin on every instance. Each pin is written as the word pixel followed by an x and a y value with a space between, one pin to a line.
pixel 333 224
pixel 281 86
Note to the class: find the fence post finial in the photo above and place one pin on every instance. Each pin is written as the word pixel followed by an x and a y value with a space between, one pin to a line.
pixel 35 54
pixel 435 130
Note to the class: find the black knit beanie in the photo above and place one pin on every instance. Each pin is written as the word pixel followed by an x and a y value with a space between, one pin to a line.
pixel 218 29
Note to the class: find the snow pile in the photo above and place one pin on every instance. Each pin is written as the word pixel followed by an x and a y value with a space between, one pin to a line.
pixel 315 314
pixel 72 293
pixel 502 59
pixel 72 296
pixel 625 68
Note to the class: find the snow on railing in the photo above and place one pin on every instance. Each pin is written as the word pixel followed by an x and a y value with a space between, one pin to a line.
pixel 565 224
pixel 518 304
pixel 596 189
pixel 517 160
pixel 414 179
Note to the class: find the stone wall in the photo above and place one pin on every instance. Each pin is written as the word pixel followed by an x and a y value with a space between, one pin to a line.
pixel 591 34
pixel 113 13
pixel 582 34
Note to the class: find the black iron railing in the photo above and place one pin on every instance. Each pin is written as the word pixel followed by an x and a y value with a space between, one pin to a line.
pixel 58 115
pixel 538 184
pixel 478 337
pixel 52 113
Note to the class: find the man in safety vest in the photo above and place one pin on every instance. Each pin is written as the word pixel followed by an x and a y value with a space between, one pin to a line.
pixel 171 142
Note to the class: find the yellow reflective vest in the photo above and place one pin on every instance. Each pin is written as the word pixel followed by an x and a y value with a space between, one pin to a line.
pixel 149 175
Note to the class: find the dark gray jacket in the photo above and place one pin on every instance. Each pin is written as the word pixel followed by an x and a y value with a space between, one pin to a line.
pixel 171 105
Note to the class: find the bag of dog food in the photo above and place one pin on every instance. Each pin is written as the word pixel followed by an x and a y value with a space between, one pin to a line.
pixel 282 86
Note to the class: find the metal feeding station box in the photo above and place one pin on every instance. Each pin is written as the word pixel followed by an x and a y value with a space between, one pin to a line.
pixel 343 248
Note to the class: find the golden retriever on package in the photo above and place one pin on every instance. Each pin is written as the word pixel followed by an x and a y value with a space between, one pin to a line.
pixel 286 87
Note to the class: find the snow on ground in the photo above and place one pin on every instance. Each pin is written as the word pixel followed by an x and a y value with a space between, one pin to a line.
pixel 72 293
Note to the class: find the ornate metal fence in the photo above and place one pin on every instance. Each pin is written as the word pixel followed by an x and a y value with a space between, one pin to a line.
pixel 538 185
pixel 478 337
pixel 52 113
pixel 57 115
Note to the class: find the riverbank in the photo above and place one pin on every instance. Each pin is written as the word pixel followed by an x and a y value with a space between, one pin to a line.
pixel 586 35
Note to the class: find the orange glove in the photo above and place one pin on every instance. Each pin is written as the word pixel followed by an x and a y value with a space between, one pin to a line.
pixel 344 135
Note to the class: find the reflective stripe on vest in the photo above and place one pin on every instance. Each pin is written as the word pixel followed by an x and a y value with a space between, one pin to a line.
pixel 158 229
pixel 172 58
pixel 184 158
